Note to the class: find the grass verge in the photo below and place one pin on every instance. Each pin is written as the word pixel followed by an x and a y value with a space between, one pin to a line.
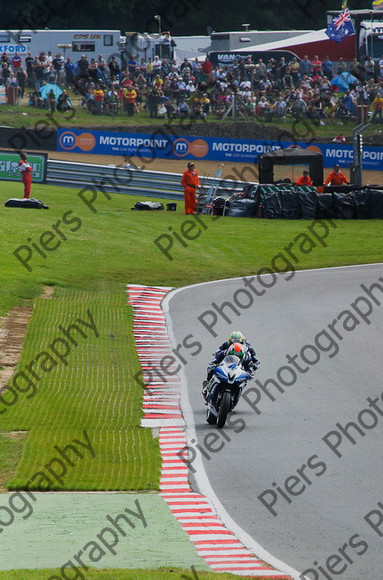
pixel 105 250
pixel 25 116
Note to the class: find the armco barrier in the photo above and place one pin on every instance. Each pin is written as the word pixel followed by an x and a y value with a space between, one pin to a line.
pixel 124 179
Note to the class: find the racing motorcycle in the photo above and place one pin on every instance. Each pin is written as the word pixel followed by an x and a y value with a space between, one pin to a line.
pixel 224 389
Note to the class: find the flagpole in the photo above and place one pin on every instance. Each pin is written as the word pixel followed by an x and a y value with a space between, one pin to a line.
pixel 372 36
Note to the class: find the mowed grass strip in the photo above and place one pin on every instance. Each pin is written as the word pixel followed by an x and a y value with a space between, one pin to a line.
pixel 91 389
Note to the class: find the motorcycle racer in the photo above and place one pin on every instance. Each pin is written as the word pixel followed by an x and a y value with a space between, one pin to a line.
pixel 249 358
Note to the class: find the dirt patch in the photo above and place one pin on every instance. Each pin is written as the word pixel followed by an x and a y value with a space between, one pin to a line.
pixel 12 333
pixel 48 292
pixel 17 435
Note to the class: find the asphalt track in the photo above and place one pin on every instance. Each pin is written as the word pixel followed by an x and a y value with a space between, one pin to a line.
pixel 327 521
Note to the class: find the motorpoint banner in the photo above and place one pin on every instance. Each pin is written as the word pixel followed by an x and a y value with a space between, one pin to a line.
pixel 165 145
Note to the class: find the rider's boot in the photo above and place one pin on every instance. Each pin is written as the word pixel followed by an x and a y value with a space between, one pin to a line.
pixel 205 389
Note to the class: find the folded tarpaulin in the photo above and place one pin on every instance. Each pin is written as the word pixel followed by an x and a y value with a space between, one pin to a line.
pixel 271 201
pixel 344 205
pixel 291 207
pixel 242 208
pixel 26 203
pixel 376 203
pixel 148 205
pixel 309 203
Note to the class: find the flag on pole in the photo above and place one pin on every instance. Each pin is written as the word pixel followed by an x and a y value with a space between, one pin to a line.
pixel 341 26
pixel 377 5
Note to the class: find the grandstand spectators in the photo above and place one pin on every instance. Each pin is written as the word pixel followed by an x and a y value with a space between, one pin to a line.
pixel 268 90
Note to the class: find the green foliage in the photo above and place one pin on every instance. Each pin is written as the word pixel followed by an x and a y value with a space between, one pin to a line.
pixel 183 18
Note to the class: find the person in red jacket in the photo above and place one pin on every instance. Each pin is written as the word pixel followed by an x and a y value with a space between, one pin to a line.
pixel 336 177
pixel 207 67
pixel 305 179
pixel 190 182
pixel 26 174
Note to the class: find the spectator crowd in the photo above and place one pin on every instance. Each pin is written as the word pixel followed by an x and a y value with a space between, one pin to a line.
pixel 195 89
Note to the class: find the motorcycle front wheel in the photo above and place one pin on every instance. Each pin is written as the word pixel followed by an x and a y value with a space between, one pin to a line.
pixel 223 409
pixel 210 417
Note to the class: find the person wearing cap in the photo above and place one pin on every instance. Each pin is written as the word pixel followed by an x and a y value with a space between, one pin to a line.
pixel 190 182
pixel 305 179
pixel 336 177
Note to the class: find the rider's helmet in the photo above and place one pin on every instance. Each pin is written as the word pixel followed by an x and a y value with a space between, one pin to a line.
pixel 237 349
pixel 237 336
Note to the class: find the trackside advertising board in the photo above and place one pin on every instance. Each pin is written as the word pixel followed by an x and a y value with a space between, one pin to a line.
pixel 9 169
pixel 161 145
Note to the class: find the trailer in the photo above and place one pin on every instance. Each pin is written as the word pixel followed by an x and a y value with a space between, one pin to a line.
pixel 71 43
pixel 311 43
pixel 74 43
pixel 366 42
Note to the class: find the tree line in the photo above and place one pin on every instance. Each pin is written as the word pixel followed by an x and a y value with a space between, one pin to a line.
pixel 180 17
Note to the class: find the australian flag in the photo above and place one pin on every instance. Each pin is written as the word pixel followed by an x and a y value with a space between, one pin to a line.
pixel 341 26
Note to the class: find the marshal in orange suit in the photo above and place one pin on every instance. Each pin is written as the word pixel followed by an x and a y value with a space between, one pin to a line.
pixel 190 182
pixel 336 177
pixel 305 179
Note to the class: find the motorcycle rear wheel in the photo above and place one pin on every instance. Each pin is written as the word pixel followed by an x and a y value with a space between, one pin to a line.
pixel 223 409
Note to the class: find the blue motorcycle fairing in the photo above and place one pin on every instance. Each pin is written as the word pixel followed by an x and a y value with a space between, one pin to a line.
pixel 220 372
